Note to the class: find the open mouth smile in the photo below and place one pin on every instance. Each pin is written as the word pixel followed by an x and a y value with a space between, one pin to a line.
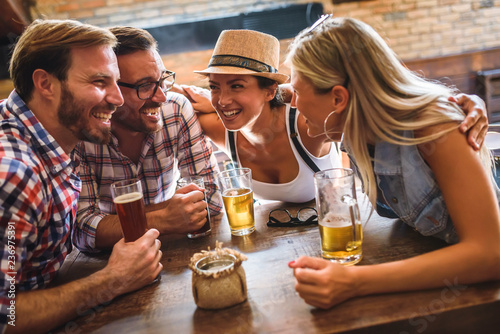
pixel 151 112
pixel 104 117
pixel 230 113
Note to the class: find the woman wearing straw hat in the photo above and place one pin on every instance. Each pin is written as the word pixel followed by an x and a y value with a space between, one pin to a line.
pixel 259 131
pixel 404 137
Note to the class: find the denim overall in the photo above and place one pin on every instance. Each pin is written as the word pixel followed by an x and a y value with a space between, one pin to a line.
pixel 409 191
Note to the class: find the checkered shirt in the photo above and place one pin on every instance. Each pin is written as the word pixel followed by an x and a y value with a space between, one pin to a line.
pixel 179 148
pixel 38 202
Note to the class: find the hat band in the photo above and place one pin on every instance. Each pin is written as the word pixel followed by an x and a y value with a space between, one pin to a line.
pixel 243 62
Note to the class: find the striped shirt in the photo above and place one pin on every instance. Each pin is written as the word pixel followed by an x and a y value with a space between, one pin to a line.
pixel 179 148
pixel 38 202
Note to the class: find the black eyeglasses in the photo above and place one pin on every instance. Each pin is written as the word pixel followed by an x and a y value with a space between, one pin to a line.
pixel 147 90
pixel 283 218
pixel 322 19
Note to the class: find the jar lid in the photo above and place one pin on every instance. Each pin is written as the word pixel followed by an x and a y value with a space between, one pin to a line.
pixel 216 263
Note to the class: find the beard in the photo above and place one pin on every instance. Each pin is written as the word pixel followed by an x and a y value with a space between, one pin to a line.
pixel 137 124
pixel 72 115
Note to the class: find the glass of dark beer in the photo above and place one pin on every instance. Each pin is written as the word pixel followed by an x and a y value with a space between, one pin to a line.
pixel 129 203
pixel 198 180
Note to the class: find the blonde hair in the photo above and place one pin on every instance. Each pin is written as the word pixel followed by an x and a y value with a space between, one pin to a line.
pixel 46 44
pixel 385 97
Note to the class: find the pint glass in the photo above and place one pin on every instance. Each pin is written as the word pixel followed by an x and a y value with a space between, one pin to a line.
pixel 129 202
pixel 237 194
pixel 198 180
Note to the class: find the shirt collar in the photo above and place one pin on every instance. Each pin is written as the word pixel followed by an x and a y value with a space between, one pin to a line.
pixel 48 148
pixel 113 142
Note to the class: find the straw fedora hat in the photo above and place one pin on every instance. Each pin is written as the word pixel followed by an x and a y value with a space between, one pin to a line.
pixel 246 52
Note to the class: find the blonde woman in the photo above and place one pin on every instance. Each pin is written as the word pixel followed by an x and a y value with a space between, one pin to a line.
pixel 245 115
pixel 403 135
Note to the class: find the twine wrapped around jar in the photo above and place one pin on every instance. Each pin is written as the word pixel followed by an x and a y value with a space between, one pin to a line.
pixel 218 278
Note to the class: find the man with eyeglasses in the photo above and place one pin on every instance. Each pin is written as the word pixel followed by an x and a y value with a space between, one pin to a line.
pixel 155 137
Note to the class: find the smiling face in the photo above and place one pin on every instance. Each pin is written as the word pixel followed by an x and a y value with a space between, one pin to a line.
pixel 90 95
pixel 238 99
pixel 313 106
pixel 138 115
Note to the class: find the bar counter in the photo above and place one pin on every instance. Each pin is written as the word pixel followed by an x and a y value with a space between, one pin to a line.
pixel 273 306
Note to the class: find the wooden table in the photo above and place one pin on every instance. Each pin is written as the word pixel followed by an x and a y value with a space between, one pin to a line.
pixel 272 305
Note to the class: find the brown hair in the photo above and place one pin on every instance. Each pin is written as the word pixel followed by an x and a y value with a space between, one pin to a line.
pixel 46 44
pixel 132 39
pixel 277 100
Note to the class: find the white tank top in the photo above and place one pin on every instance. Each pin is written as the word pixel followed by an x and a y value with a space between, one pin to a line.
pixel 300 189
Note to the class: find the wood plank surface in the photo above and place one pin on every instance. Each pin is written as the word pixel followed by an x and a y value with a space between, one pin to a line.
pixel 272 305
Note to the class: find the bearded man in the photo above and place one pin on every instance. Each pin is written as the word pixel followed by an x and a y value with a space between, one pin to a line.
pixel 65 78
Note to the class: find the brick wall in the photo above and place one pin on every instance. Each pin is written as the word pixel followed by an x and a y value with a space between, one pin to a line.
pixel 414 28
pixel 425 33
pixel 429 28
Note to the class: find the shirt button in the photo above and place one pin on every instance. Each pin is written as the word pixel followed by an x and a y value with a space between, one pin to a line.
pixel 394 200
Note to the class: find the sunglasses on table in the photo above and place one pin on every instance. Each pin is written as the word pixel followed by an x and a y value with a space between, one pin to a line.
pixel 283 218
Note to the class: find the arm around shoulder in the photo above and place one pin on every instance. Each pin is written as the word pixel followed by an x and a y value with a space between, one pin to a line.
pixel 213 128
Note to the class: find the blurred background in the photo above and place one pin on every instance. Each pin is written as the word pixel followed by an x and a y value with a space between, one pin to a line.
pixel 455 41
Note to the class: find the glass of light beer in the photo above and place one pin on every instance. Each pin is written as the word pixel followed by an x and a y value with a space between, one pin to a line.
pixel 338 216
pixel 198 180
pixel 129 202
pixel 237 194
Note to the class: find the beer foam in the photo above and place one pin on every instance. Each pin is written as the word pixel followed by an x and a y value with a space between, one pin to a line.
pixel 236 192
pixel 127 198
pixel 335 220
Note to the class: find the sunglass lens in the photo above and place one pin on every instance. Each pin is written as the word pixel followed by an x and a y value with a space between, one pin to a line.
pixel 306 213
pixel 280 216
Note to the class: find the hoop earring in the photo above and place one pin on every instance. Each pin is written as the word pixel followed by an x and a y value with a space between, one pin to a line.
pixel 325 132
pixel 324 124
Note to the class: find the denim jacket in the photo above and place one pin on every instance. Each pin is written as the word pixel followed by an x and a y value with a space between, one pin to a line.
pixel 409 191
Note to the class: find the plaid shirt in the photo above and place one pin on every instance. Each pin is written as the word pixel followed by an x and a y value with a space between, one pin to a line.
pixel 38 201
pixel 179 145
